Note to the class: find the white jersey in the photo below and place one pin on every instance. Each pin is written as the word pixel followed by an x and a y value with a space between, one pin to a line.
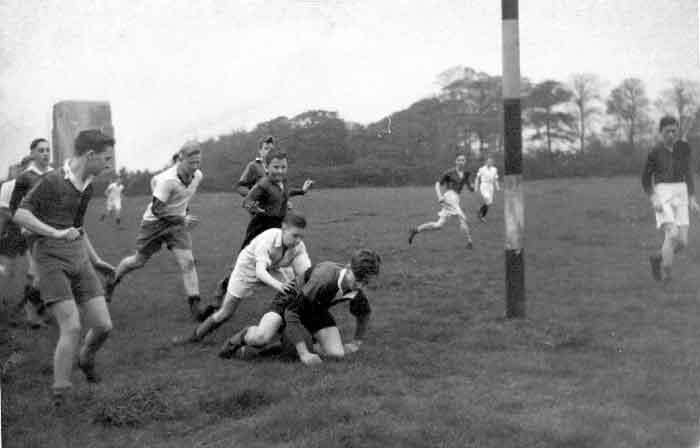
pixel 169 189
pixel 6 193
pixel 487 175
pixel 114 193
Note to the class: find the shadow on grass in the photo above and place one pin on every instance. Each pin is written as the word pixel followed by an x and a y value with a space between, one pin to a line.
pixel 237 405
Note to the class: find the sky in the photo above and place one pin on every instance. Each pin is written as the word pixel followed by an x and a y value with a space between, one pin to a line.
pixel 174 70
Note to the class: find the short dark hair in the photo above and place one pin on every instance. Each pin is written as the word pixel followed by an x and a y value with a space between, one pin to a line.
pixel 295 219
pixel 365 263
pixel 92 139
pixel 275 154
pixel 36 142
pixel 667 120
pixel 268 139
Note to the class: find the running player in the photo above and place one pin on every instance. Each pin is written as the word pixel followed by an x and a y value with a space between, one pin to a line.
pixel 167 221
pixel 486 183
pixel 668 181
pixel 263 262
pixel 12 243
pixel 54 212
pixel 255 170
pixel 453 181
pixel 113 192
pixel 305 311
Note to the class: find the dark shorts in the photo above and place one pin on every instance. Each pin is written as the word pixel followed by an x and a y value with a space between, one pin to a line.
pixel 65 271
pixel 153 234
pixel 312 320
pixel 12 242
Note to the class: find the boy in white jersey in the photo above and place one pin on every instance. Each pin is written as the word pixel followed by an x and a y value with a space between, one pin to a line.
pixel 453 181
pixel 113 192
pixel 274 258
pixel 486 183
pixel 167 221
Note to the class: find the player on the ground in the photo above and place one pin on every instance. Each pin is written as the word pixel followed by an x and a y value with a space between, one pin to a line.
pixel 113 192
pixel 54 212
pixel 305 311
pixel 668 180
pixel 40 154
pixel 452 180
pixel 486 183
pixel 167 221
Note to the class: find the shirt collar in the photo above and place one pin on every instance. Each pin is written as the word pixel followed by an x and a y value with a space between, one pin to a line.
pixel 348 295
pixel 34 169
pixel 77 183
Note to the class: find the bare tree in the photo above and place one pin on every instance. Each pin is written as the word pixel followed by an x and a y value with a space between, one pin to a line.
pixel 682 99
pixel 629 103
pixel 586 96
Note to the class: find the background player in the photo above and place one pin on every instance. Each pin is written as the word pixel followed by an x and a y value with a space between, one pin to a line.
pixel 167 221
pixel 668 181
pixel 453 180
pixel 486 183
pixel 113 192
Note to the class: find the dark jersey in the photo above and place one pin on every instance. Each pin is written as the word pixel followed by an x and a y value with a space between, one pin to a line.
pixel 271 197
pixel 55 201
pixel 664 166
pixel 25 182
pixel 252 173
pixel 319 291
pixel 451 180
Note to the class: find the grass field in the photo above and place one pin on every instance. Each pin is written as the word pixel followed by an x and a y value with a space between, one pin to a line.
pixel 606 357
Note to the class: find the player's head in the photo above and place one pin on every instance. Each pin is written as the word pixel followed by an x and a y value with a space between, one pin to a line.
pixel 364 265
pixel 293 228
pixel 460 161
pixel 189 158
pixel 265 145
pixel 668 128
pixel 276 161
pixel 489 161
pixel 97 148
pixel 40 152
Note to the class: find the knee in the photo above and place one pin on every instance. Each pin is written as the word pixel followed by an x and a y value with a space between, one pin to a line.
pixel 71 330
pixel 335 352
pixel 138 261
pixel 104 326
pixel 188 264
pixel 256 337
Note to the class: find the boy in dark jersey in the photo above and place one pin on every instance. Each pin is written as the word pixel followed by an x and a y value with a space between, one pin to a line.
pixel 306 311
pixel 40 154
pixel 453 181
pixel 255 170
pixel 54 211
pixel 668 181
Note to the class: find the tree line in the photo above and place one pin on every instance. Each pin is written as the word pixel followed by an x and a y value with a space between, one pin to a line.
pixel 572 128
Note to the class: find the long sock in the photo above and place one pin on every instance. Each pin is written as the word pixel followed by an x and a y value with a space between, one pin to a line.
pixel 486 210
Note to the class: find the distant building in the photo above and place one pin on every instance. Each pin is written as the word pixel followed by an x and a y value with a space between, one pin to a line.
pixel 71 117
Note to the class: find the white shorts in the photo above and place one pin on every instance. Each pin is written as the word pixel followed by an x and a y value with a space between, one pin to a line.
pixel 486 191
pixel 243 286
pixel 116 206
pixel 450 206
pixel 674 203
